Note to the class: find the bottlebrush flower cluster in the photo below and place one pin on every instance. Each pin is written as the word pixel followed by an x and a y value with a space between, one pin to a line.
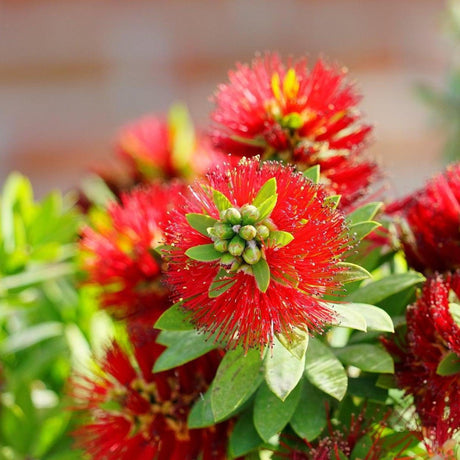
pixel 246 293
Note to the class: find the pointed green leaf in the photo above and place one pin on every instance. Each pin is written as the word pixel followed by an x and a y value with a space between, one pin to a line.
pixel 201 415
pixel 332 201
pixel 449 365
pixel 267 206
pixel 244 437
pixel 189 346
pixel 221 201
pixel 97 190
pixel 360 230
pixel 279 238
pixel 364 213
pixel 261 272
pixel 324 370
pixel 376 318
pixel 271 414
pixel 221 283
pixel 237 378
pixel 376 291
pixel 309 418
pixel 174 319
pixel 367 357
pixel 182 133
pixel 454 310
pixel 203 253
pixel 352 273
pixel 313 174
pixel 283 370
pixel 266 191
pixel 296 342
pixel 200 222
pixel 347 317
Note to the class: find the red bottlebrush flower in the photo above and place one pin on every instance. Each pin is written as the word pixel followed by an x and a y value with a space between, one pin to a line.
pixel 119 255
pixel 289 113
pixel 268 258
pixel 340 442
pixel 133 413
pixel 432 333
pixel 157 147
pixel 428 223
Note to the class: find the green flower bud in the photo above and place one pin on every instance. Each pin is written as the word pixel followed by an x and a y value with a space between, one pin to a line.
pixel 221 245
pixel 249 214
pixel 263 232
pixel 252 254
pixel 248 232
pixel 236 246
pixel 223 231
pixel 232 216
pixel 227 259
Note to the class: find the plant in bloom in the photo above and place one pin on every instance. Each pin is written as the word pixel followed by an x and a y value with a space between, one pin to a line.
pixel 305 117
pixel 428 223
pixel 427 359
pixel 119 253
pixel 132 413
pixel 165 147
pixel 253 250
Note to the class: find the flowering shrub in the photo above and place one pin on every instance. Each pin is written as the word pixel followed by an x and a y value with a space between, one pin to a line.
pixel 227 295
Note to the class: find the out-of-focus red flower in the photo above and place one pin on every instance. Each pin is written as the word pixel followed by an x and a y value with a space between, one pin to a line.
pixel 131 413
pixel 119 253
pixel 287 112
pixel 428 223
pixel 156 147
pixel 269 267
pixel 432 333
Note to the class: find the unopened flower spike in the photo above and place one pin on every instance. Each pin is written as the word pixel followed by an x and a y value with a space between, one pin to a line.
pixel 254 250
pixel 287 112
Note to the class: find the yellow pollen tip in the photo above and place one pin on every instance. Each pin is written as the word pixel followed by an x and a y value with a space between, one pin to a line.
pixel 276 86
pixel 290 85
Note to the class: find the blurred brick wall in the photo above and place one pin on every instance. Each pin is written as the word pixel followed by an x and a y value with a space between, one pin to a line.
pixel 71 72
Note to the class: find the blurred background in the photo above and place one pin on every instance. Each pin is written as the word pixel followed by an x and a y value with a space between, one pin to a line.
pixel 72 72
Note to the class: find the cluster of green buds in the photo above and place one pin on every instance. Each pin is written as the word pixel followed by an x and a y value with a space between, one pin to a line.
pixel 239 235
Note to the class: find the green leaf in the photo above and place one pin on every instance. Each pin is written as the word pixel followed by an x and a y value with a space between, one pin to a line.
pixel 309 418
pixel 296 342
pixel 363 447
pixel 364 213
pixel 376 291
pixel 347 317
pixel 237 378
pixel 324 370
pixel 352 273
pixel 174 319
pixel 97 191
pixel 376 318
pixel 313 174
pixel 221 283
pixel 449 365
pixel 182 133
pixel 266 191
pixel 365 386
pixel 454 310
pixel 201 415
pixel 221 201
pixel 332 201
pixel 203 253
pixel 279 238
pixel 244 437
pixel 200 222
pixel 30 336
pixel 271 414
pixel 283 370
pixel 360 230
pixel 189 346
pixel 261 272
pixel 367 357
pixel 267 206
